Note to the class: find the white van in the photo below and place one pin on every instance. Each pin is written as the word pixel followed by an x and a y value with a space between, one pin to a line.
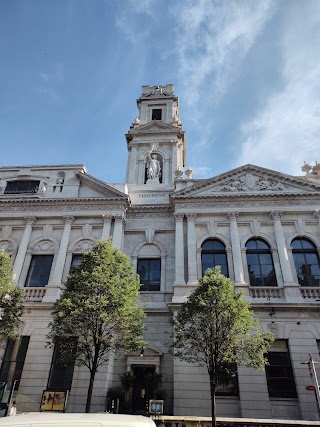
pixel 52 419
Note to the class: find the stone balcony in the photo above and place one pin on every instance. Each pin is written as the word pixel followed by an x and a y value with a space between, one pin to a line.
pixel 34 294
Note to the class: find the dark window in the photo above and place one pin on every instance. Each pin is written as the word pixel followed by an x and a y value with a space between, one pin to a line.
pixel 13 360
pixel 150 274
pixel 213 253
pixel 18 187
pixel 39 271
pixel 279 372
pixel 156 114
pixel 229 387
pixel 76 260
pixel 260 264
pixel 306 261
pixel 60 376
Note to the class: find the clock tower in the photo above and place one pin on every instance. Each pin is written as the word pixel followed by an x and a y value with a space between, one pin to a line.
pixel 155 141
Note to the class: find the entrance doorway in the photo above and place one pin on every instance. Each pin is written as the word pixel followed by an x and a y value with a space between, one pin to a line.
pixel 141 390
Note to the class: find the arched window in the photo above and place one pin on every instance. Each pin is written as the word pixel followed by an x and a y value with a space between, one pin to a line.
pixel 214 253
pixel 260 264
pixel 306 261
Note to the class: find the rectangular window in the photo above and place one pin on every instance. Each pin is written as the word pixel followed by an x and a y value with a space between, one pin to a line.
pixel 19 187
pixel 13 360
pixel 156 114
pixel 76 260
pixel 39 271
pixel 150 274
pixel 60 376
pixel 279 372
pixel 231 386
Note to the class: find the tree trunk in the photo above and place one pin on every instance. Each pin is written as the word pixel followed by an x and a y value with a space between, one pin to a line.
pixel 90 389
pixel 213 404
pixel 93 372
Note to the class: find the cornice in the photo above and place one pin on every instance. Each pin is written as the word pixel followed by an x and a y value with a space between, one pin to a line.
pixel 64 205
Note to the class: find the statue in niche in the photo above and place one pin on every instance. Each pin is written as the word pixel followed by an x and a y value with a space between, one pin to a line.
pixel 153 165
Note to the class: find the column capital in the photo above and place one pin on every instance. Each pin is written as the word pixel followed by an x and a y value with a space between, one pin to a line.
pixel 316 214
pixel 119 217
pixel 232 215
pixel 107 217
pixel 68 219
pixel 178 216
pixel 276 215
pixel 30 219
pixel 191 216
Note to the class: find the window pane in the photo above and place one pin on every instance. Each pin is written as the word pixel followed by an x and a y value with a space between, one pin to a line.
pixel 150 274
pixel 251 244
pixel 60 376
pixel 280 379
pixel 262 245
pixel 39 271
pixel 76 261
pixel 265 259
pixel 156 114
pixel 213 254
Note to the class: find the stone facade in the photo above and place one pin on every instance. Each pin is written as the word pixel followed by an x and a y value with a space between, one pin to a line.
pixel 167 216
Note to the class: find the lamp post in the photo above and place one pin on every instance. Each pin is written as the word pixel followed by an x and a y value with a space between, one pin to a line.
pixel 314 378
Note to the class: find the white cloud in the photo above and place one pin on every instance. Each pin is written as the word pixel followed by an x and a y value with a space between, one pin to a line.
pixel 201 172
pixel 286 130
pixel 213 38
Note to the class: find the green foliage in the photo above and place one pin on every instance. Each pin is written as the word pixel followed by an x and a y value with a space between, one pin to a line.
pixel 127 380
pixel 11 301
pixel 98 314
pixel 115 392
pixel 216 328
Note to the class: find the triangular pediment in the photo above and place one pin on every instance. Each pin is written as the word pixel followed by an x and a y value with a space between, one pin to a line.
pixel 93 187
pixel 250 179
pixel 156 125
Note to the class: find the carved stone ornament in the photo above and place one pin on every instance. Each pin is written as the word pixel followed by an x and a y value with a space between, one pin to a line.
pixel 84 245
pixel 6 246
pixel 273 328
pixel 316 214
pixel 44 246
pixel 233 215
pixel 276 215
pixel 156 91
pixel 248 183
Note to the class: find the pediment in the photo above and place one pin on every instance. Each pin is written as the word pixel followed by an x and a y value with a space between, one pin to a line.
pixel 156 125
pixel 250 179
pixel 93 187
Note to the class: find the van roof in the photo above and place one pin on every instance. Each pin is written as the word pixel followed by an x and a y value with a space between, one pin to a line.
pixel 39 419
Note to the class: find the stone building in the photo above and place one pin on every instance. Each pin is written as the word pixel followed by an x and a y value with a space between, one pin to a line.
pixel 260 225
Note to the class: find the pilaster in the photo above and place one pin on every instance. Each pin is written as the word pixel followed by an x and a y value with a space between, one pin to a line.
pixel 17 268
pixel 192 250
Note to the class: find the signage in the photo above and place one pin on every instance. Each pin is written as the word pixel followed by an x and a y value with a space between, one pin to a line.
pixel 155 406
pixel 53 400
pixel 310 388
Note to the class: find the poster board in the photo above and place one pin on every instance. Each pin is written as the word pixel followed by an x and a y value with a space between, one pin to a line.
pixel 155 406
pixel 54 400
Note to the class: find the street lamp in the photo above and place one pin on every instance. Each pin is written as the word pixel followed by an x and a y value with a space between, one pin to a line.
pixel 314 378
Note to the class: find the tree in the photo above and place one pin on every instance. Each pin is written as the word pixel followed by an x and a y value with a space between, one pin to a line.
pixel 98 314
pixel 216 328
pixel 11 301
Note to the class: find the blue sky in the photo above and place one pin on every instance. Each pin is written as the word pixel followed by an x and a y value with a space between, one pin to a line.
pixel 246 73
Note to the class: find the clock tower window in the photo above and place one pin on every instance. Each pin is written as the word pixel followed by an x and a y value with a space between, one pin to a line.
pixel 156 114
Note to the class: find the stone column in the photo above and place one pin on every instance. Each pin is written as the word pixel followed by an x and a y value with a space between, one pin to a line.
pixel 132 163
pixel 118 231
pixel 23 248
pixel 291 288
pixel 192 250
pixel 174 162
pixel 61 257
pixel 106 226
pixel 282 248
pixel 236 249
pixel 179 250
pixel 166 169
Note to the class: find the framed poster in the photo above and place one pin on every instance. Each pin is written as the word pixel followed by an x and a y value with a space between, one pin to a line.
pixel 54 400
pixel 155 406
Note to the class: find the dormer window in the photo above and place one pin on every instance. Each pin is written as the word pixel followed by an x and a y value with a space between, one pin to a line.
pixel 22 187
pixel 156 114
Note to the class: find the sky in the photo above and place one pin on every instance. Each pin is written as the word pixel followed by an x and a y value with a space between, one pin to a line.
pixel 247 74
